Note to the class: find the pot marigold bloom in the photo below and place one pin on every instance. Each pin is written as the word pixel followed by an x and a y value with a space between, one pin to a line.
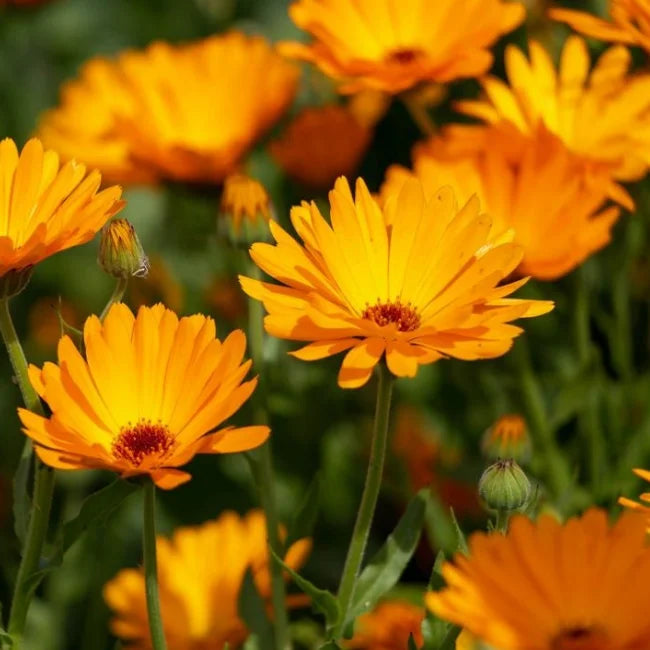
pixel 533 185
pixel 393 46
pixel 602 116
pixel 200 573
pixel 245 208
pixel 629 24
pixel 321 144
pixel 507 438
pixel 146 399
pixel 425 288
pixel 551 586
pixel 46 208
pixel 180 112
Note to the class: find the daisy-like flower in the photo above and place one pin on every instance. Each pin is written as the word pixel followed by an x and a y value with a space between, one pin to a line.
pixel 321 144
pixel 181 112
pixel 629 24
pixel 146 398
pixel 551 586
pixel 556 205
pixel 46 208
pixel 245 208
pixel 392 46
pixel 200 573
pixel 424 288
pixel 600 115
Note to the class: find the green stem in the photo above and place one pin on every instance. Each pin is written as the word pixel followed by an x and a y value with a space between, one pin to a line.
pixel 369 497
pixel 43 486
pixel 150 568
pixel 116 296
pixel 264 475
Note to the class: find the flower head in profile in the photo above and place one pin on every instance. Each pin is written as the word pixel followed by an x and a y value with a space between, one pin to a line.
pixel 148 396
pixel 629 22
pixel 245 208
pixel 600 115
pixel 172 112
pixel 507 438
pixel 321 144
pixel 426 287
pixel 551 586
pixel 393 46
pixel 557 206
pixel 200 574
pixel 46 207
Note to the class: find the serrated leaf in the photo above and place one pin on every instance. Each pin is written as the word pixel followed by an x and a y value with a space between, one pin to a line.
pixel 305 519
pixel 322 600
pixel 385 569
pixel 461 541
pixel 252 610
pixel 22 503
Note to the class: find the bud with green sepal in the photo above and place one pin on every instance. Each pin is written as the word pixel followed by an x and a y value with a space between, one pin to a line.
pixel 504 488
pixel 120 252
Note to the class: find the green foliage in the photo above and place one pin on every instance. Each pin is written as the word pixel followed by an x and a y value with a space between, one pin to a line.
pixel 252 610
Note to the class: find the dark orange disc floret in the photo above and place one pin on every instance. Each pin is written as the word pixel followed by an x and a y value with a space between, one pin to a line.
pixel 403 56
pixel 144 439
pixel 403 316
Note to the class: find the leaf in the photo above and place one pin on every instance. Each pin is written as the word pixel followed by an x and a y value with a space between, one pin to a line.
pixel 412 645
pixel 385 569
pixel 321 599
pixel 439 524
pixel 450 642
pixel 330 645
pixel 305 519
pixel 252 610
pixel 22 502
pixel 434 629
pixel 461 542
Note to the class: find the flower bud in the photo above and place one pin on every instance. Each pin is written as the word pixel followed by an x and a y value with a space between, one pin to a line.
pixel 504 486
pixel 507 438
pixel 120 252
pixel 245 210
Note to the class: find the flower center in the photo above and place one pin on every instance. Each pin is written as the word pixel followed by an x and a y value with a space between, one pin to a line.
pixel 135 443
pixel 403 56
pixel 403 316
pixel 581 638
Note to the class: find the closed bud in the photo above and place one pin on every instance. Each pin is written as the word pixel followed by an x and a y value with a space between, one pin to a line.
pixel 507 438
pixel 504 486
pixel 120 252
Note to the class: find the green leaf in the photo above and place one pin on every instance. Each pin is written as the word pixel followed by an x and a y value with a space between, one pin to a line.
pixel 461 542
pixel 385 569
pixel 252 610
pixel 22 502
pixel 305 519
pixel 439 524
pixel 435 630
pixel 322 600
pixel 330 645
pixel 412 645
pixel 450 641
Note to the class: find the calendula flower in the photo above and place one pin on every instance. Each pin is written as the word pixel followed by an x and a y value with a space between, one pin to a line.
pixel 245 208
pixel 600 115
pixel 181 112
pixel 425 288
pixel 146 398
pixel 321 144
pixel 388 627
pixel 552 586
pixel 392 47
pixel 507 438
pixel 534 185
pixel 46 207
pixel 200 573
pixel 629 22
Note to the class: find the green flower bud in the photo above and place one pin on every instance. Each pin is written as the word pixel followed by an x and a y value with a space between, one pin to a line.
pixel 507 438
pixel 504 486
pixel 120 252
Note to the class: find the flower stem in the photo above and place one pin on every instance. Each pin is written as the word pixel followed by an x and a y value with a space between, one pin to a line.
pixel 501 521
pixel 116 296
pixel 150 568
pixel 369 497
pixel 43 485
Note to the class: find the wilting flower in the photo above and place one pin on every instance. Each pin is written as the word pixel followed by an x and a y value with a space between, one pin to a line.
pixel 321 144
pixel 552 586
pixel 601 116
pixel 182 112
pixel 146 399
pixel 200 573
pixel 425 288
pixel 388 627
pixel 377 44
pixel 245 207
pixel 533 185
pixel 645 497
pixel 47 208
pixel 630 22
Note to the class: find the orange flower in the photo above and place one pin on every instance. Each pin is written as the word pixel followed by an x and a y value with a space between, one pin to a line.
pixel 645 497
pixel 424 288
pixel 507 438
pixel 245 209
pixel 602 116
pixel 183 112
pixel 146 398
pixel 46 208
pixel 630 22
pixel 549 586
pixel 533 185
pixel 200 573
pixel 321 144
pixel 394 46
pixel 388 627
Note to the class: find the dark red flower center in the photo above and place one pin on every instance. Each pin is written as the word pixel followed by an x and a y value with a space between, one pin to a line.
pixel 144 439
pixel 403 56
pixel 403 316
pixel 581 638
